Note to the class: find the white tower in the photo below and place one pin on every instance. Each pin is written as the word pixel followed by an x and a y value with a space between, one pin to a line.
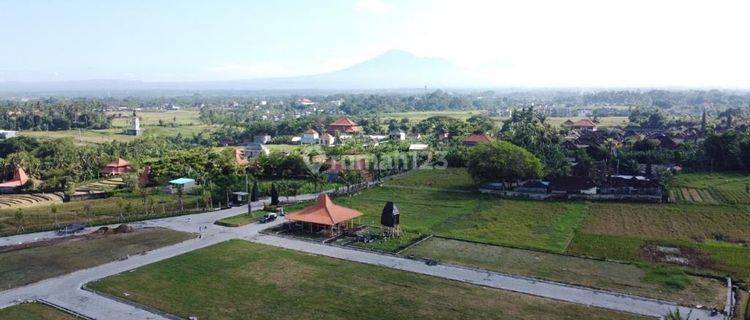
pixel 135 125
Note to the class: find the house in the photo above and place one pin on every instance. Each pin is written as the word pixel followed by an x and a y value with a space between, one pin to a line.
pixel 184 184
pixel 417 147
pixel 567 124
pixel 360 165
pixel 443 135
pixel 310 136
pixel 344 125
pixel 631 185
pixel 324 216
pixel 665 142
pixel 117 167
pixel 306 102
pixel 414 136
pixel 585 125
pixel 533 186
pixel 296 140
pixel 19 180
pixel 327 139
pixel 572 185
pixel 7 134
pixel 397 135
pixel 254 150
pixel 477 138
pixel 263 138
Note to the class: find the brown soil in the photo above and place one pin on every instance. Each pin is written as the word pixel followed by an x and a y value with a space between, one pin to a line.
pixel 679 255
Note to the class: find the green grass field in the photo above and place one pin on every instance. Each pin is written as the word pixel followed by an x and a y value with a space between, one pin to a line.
pixel 240 219
pixel 182 122
pixel 94 211
pixel 243 280
pixel 599 229
pixel 33 311
pixel 470 216
pixel 417 116
pixel 50 259
pixel 617 277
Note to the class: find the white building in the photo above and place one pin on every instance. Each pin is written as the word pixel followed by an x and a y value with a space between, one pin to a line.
pixel 254 149
pixel 327 139
pixel 310 136
pixel 135 125
pixel 7 134
pixel 398 135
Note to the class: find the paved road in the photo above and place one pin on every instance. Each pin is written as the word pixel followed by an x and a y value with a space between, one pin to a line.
pixel 65 291
pixel 553 290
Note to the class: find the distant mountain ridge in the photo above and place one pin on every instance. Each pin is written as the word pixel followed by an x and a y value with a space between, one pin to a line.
pixel 393 69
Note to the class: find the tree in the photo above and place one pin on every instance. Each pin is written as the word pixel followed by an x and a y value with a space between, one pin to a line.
pixel 274 195
pixel 502 161
pixel 19 220
pixel 316 177
pixel 254 194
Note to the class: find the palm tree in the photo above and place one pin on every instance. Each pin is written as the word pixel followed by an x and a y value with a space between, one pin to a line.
pixel 317 178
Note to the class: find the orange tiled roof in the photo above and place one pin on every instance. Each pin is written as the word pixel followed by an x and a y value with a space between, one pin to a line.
pixel 478 137
pixel 19 178
pixel 120 162
pixel 584 123
pixel 324 212
pixel 344 122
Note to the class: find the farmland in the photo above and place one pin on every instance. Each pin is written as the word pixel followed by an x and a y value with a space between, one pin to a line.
pixel 95 211
pixel 24 265
pixel 183 122
pixel 33 311
pixel 711 188
pixel 322 288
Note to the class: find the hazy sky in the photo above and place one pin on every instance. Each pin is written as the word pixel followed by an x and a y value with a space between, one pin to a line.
pixel 537 43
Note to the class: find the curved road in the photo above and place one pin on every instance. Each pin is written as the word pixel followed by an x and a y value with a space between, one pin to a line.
pixel 66 291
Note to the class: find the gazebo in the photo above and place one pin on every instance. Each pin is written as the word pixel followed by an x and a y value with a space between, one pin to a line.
pixel 117 167
pixel 324 215
pixel 19 179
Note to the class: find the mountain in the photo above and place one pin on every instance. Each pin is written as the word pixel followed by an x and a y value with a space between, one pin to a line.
pixel 391 70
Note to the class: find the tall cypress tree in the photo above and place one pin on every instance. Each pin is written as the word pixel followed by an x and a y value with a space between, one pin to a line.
pixel 274 195
pixel 255 193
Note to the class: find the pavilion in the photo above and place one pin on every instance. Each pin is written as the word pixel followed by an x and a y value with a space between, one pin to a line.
pixel 324 215
pixel 117 167
pixel 19 179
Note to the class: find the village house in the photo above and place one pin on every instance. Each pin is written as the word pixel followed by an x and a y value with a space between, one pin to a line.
pixel 344 126
pixel 572 185
pixel 310 136
pixel 254 150
pixel 117 167
pixel 263 138
pixel 327 139
pixel 397 135
pixel 414 136
pixel 477 138
pixel 533 186
pixel 585 125
pixel 631 185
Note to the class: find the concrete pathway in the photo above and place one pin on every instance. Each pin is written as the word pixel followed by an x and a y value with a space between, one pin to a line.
pixel 66 291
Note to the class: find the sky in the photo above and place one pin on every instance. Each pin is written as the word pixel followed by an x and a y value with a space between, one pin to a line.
pixel 505 43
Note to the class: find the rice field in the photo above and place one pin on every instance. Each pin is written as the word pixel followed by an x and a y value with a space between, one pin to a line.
pixel 711 188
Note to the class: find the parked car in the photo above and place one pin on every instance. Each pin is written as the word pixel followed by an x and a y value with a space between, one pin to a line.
pixel 268 217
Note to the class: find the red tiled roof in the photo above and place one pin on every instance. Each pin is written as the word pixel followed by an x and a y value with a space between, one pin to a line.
pixel 344 122
pixel 584 123
pixel 478 137
pixel 324 212
pixel 310 131
pixel 119 163
pixel 19 178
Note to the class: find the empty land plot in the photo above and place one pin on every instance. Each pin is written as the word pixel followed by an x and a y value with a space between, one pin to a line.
pixel 243 280
pixel 624 278
pixel 52 258
pixel 34 311
pixel 669 221
pixel 93 211
pixel 450 178
pixel 472 216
